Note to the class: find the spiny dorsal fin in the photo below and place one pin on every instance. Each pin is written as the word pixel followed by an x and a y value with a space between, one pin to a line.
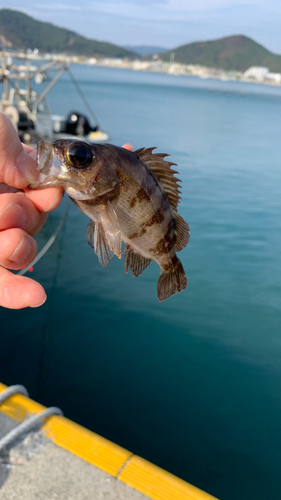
pixel 182 232
pixel 162 170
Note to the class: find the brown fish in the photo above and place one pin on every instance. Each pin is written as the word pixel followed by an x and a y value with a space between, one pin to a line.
pixel 130 197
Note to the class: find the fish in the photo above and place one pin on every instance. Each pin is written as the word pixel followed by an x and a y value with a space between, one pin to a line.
pixel 131 198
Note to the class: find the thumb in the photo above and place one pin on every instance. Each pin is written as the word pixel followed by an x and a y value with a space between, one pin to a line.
pixel 17 167
pixel 17 292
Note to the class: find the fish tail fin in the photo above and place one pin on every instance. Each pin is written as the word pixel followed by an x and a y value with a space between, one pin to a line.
pixel 171 282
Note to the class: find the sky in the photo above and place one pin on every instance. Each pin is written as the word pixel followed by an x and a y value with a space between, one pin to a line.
pixel 164 23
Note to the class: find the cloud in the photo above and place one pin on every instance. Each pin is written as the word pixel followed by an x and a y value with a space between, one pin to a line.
pixel 58 6
pixel 149 3
pixel 175 7
pixel 182 11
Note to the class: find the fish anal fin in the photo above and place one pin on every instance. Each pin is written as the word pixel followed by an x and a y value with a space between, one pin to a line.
pixel 182 232
pixel 97 240
pixel 163 172
pixel 171 282
pixel 136 262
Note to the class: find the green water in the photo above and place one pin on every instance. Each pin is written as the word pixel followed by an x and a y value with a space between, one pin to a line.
pixel 192 384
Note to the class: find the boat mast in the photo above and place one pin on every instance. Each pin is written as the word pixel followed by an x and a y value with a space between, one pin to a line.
pixel 64 67
pixel 27 83
pixel 5 78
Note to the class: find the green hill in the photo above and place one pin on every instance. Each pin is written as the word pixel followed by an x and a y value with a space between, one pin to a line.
pixel 19 31
pixel 232 53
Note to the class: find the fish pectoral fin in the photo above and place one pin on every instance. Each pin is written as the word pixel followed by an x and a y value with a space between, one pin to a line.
pixel 111 228
pixel 97 240
pixel 136 262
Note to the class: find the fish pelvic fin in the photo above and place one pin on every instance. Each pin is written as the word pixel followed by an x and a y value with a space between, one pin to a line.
pixel 171 282
pixel 136 262
pixel 97 240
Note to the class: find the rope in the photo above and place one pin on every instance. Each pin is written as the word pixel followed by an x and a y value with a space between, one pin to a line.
pixel 27 426
pixel 80 92
pixel 49 242
pixel 11 391
pixel 43 343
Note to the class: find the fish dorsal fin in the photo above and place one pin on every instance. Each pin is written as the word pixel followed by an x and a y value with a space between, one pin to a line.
pixel 162 170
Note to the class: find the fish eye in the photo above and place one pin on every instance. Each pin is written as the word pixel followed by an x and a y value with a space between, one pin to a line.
pixel 79 155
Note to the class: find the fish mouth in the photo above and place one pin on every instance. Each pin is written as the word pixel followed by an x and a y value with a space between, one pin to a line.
pixel 54 173
pixel 49 167
pixel 79 194
pixel 44 154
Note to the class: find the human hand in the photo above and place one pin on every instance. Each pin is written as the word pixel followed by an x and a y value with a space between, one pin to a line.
pixel 23 213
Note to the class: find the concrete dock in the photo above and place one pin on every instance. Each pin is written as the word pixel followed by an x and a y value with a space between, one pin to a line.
pixel 37 469
pixel 61 460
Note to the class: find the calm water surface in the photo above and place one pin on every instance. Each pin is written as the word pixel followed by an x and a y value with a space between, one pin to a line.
pixel 192 384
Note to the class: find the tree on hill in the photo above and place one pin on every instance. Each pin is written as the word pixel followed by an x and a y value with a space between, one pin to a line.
pixel 20 31
pixel 236 52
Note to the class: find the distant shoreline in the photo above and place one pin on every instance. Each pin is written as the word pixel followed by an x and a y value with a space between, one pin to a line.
pixel 159 66
pixel 178 69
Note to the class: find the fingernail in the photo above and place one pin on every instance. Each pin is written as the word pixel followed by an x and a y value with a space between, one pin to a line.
pixel 54 202
pixel 41 304
pixel 13 215
pixel 22 252
pixel 27 166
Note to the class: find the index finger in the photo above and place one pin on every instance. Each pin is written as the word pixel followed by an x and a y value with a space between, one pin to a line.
pixel 18 168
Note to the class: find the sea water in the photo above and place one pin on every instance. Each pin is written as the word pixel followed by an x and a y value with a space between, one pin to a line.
pixel 192 384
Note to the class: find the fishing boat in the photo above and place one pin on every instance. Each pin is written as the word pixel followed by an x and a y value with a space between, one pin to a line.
pixel 29 110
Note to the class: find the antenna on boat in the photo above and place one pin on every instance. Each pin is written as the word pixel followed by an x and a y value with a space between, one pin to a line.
pixel 80 92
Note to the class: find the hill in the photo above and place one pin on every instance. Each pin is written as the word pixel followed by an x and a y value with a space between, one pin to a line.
pixel 146 50
pixel 234 52
pixel 19 31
